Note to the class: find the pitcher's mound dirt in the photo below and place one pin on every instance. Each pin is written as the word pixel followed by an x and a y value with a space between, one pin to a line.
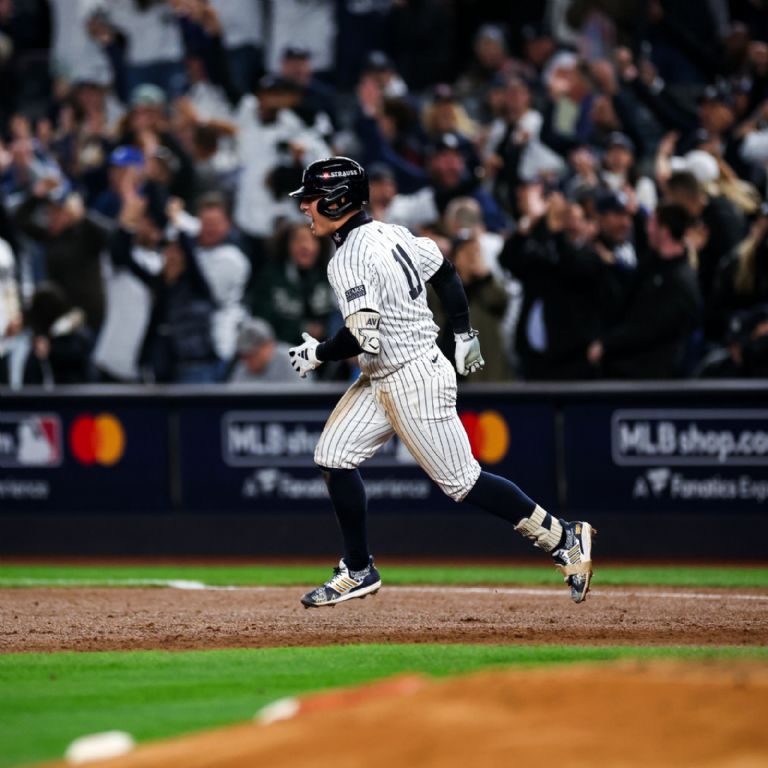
pixel 658 714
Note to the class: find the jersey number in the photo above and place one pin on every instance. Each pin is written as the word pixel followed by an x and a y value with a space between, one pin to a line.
pixel 411 275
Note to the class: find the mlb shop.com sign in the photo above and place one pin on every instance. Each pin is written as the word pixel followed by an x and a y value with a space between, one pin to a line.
pixel 667 458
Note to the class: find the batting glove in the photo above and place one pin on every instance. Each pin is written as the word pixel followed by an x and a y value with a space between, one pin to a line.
pixel 467 355
pixel 304 357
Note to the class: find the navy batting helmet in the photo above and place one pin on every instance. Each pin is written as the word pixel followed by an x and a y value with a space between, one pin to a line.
pixel 339 182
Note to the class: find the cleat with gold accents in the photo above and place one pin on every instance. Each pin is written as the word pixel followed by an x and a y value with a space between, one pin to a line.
pixel 344 585
pixel 574 558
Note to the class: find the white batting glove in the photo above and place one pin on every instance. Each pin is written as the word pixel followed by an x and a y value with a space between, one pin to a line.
pixel 467 355
pixel 304 357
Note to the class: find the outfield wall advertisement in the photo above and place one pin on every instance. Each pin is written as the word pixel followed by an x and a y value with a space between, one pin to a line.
pixel 262 458
pixel 682 459
pixel 83 458
pixel 252 454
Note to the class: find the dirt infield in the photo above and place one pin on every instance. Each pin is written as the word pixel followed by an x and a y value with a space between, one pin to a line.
pixel 702 715
pixel 146 618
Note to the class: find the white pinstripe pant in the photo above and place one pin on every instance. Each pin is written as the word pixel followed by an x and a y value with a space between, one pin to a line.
pixel 418 404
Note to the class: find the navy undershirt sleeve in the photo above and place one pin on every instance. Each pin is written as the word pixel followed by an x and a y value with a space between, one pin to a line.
pixel 339 347
pixel 450 291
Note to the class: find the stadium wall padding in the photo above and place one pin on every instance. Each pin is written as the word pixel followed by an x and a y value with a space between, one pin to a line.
pixel 663 470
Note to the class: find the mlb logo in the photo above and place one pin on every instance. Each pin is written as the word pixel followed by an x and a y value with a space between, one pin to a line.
pixel 30 440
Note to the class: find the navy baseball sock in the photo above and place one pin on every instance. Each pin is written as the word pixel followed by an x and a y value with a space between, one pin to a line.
pixel 347 492
pixel 500 497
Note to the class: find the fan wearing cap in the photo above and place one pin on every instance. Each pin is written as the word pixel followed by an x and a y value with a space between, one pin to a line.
pixel 709 129
pixel 382 191
pixel 260 358
pixel 449 178
pixel 538 45
pixel 126 165
pixel 146 127
pixel 615 227
pixel 445 114
pixel 619 171
pixel 620 237
pixel 717 117
pixel 490 60
pixel 380 67
pixel 465 214
pixel 318 99
pixel 71 240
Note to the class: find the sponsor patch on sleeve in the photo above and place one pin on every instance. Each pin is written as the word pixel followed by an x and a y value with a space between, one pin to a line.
pixel 354 293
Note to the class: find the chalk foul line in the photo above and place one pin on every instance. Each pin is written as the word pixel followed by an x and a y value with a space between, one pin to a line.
pixel 555 592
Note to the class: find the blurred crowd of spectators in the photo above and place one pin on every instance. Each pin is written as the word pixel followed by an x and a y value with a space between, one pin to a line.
pixel 597 171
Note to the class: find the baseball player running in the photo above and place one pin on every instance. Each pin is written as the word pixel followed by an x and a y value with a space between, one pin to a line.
pixel 406 386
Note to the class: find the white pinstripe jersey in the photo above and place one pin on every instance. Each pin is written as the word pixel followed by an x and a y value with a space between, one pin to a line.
pixel 384 267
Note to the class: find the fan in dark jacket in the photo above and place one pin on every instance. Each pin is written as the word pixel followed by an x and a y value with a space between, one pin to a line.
pixel 180 341
pixel 561 277
pixel 652 339
pixel 72 241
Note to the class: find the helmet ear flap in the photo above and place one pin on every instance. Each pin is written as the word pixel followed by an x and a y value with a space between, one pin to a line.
pixel 335 196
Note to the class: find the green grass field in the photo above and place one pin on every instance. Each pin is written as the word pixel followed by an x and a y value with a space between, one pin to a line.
pixel 12 575
pixel 49 699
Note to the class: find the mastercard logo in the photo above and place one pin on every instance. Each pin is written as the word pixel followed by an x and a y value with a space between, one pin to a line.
pixel 97 439
pixel 488 435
